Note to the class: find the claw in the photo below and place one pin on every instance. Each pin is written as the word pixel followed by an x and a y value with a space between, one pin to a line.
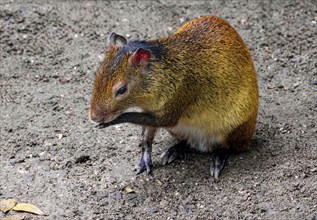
pixel 168 156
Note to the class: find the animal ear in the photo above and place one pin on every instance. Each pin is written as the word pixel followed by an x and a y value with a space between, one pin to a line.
pixel 140 57
pixel 116 40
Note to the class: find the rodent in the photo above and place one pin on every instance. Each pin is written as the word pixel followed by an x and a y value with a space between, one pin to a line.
pixel 200 84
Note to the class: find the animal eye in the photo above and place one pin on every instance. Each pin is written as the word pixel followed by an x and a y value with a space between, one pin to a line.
pixel 123 89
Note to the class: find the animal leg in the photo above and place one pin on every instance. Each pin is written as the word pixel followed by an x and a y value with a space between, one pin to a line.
pixel 146 158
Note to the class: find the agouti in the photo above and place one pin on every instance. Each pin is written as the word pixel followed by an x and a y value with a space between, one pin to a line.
pixel 199 84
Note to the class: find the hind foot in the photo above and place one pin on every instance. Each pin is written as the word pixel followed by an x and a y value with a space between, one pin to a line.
pixel 174 152
pixel 218 161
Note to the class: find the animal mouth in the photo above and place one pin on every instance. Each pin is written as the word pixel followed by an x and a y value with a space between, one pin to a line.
pixel 103 118
pixel 108 119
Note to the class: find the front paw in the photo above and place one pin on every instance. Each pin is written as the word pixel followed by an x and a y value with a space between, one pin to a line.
pixel 145 163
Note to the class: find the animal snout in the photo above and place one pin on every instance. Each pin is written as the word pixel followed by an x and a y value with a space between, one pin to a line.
pixel 94 116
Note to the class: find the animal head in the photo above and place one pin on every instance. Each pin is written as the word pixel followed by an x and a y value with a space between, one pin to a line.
pixel 120 79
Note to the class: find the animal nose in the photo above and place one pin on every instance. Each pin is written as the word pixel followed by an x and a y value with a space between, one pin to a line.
pixel 95 118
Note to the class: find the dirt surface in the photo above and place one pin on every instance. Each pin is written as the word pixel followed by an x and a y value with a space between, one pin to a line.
pixel 52 156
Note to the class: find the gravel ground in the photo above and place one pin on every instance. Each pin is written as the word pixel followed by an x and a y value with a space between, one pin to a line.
pixel 53 157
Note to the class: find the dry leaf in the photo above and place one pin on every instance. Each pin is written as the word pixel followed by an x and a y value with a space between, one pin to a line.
pixel 27 207
pixel 14 217
pixel 129 190
pixel 7 204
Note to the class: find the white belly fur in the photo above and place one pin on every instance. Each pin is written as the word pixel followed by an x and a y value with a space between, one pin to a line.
pixel 197 138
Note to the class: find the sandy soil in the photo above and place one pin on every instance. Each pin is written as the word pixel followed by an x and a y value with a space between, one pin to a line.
pixel 53 157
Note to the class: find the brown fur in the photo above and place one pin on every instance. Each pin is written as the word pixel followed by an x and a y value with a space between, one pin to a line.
pixel 201 78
